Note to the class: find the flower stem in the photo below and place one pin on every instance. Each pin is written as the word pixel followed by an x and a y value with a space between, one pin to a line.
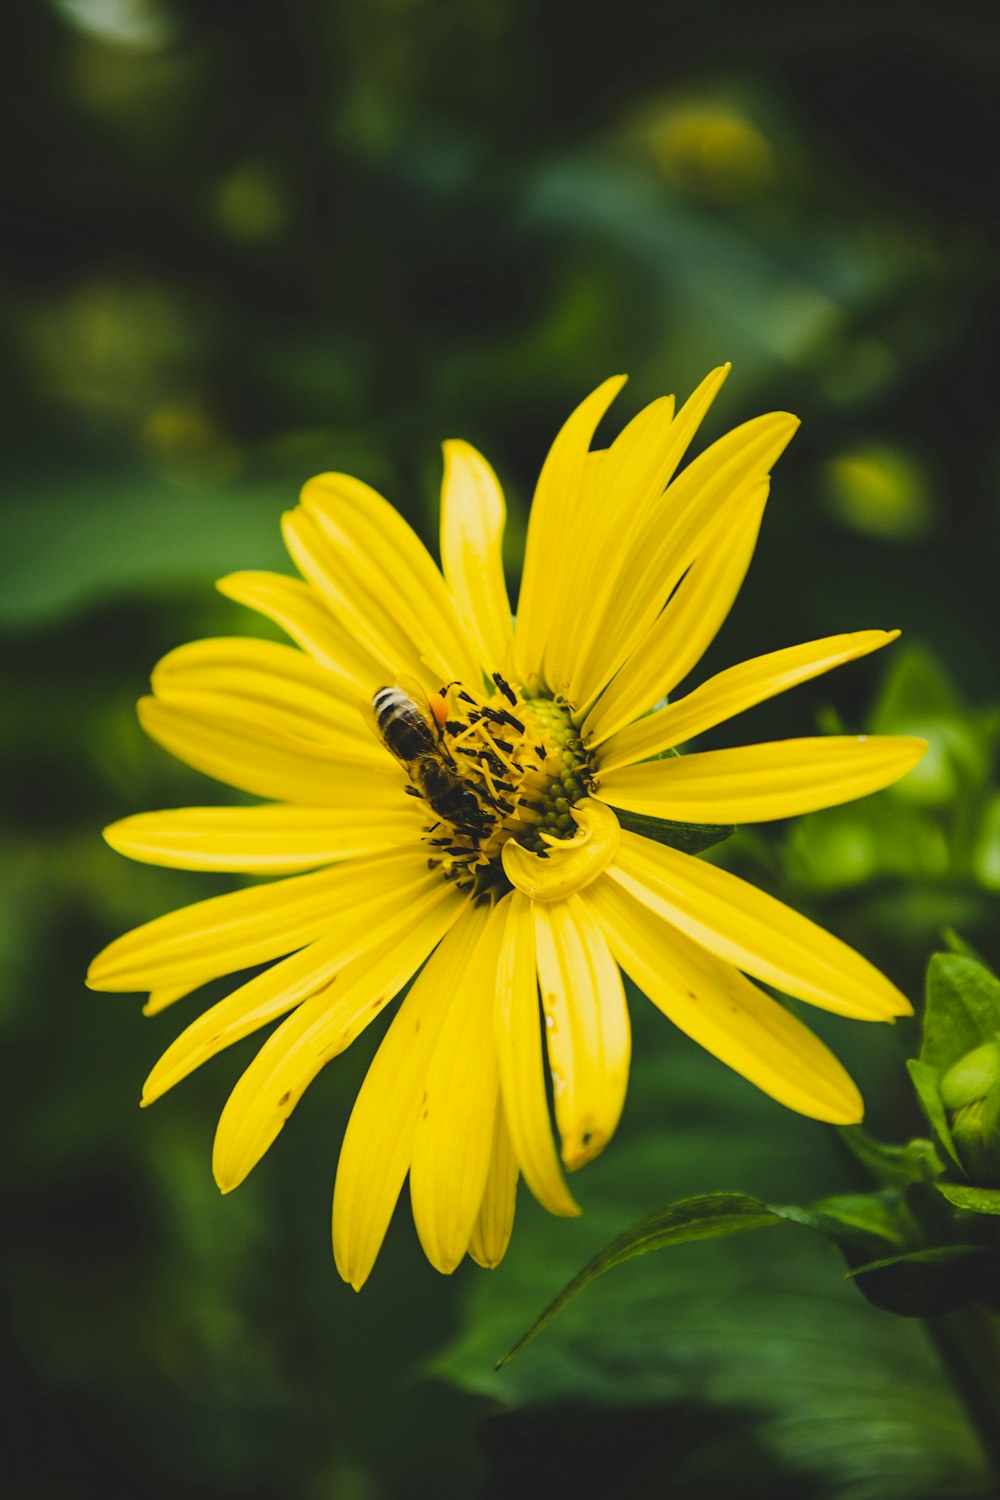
pixel 968 1343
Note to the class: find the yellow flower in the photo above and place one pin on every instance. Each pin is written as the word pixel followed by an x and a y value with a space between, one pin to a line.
pixel 476 827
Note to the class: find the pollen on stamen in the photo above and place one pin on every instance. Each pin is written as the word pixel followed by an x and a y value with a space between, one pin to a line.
pixel 524 779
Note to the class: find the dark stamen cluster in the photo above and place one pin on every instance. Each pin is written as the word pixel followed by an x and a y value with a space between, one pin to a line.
pixel 526 766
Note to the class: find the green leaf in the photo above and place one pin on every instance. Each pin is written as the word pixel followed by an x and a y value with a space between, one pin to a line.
pixel 925 1080
pixel 130 533
pixel 934 1255
pixel 962 1009
pixel 857 1222
pixel 690 838
pixel 978 1200
pixel 893 1166
pixel 957 944
pixel 864 1227
pixel 916 685
pixel 853 1405
pixel 709 1217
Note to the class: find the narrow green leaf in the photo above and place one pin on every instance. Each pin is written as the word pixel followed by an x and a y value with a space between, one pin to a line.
pixel 858 1223
pixel 690 838
pixel 962 1009
pixel 710 1216
pixel 894 1166
pixel 925 1081
pixel 936 1255
pixel 978 1200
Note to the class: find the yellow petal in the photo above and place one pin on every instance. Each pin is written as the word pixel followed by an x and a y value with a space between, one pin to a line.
pixel 519 1052
pixel 690 417
pixel 742 925
pixel 276 839
pixel 732 691
pixel 246 927
pixel 569 864
pixel 756 783
pixel 245 750
pixel 390 569
pixel 492 1229
pixel 618 487
pixel 453 1139
pixel 625 486
pixel 680 636
pixel 161 999
pixel 586 1027
pixel 344 584
pixel 473 514
pixel 698 505
pixel 300 610
pixel 550 526
pixel 361 921
pixel 319 1030
pixel 262 678
pixel 375 1156
pixel 723 1012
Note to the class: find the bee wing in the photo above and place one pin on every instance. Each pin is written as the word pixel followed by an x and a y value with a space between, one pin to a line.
pixel 421 701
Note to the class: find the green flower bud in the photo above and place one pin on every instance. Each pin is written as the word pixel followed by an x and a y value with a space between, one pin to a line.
pixel 972 1077
pixel 970 1091
pixel 976 1144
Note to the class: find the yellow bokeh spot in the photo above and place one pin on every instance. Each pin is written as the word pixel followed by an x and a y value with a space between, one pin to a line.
pixel 880 490
pixel 709 149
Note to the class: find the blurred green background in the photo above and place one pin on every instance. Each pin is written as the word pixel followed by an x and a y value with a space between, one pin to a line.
pixel 246 242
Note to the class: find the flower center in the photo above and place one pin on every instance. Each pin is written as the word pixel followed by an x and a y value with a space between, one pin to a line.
pixel 511 767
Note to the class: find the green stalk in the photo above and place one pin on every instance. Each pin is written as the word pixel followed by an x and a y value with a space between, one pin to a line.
pixel 968 1342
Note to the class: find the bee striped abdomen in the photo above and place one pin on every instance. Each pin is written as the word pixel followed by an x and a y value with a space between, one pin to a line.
pixel 403 728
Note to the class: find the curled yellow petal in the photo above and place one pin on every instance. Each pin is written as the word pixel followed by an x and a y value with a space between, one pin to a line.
pixel 569 864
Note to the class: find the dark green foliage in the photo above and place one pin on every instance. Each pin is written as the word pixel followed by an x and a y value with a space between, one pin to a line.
pixel 244 244
pixel 690 838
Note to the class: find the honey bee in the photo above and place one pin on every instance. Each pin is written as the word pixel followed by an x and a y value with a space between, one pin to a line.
pixel 410 728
